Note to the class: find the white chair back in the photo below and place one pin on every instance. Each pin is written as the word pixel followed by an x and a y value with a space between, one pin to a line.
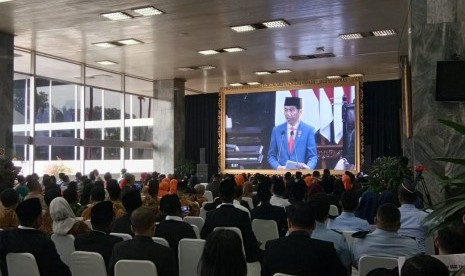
pixel 87 222
pixel 282 274
pixel 234 229
pixel 161 241
pixel 87 263
pixel 368 263
pixel 22 264
pixel 348 236
pixel 198 221
pixel 333 211
pixel 65 247
pixel 135 267
pixel 196 230
pixel 203 213
pixel 249 201
pixel 265 230
pixel 208 195
pixel 124 236
pixel 253 269
pixel 189 254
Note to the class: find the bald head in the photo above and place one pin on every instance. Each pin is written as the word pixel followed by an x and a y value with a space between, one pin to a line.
pixel 143 221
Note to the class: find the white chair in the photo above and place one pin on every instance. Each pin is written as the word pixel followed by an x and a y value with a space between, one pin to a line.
pixel 65 247
pixel 203 213
pixel 196 230
pixel 282 274
pixel 333 211
pixel 135 267
pixel 87 263
pixel 124 236
pixel 161 241
pixel 87 222
pixel 22 264
pixel 348 236
pixel 198 221
pixel 249 201
pixel 368 263
pixel 189 254
pixel 253 269
pixel 265 230
pixel 234 229
pixel 208 195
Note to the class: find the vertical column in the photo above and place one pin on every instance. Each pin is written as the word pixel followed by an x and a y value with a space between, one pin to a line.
pixel 6 95
pixel 168 125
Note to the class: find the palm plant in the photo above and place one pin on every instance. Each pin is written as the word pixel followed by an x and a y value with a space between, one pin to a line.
pixel 451 209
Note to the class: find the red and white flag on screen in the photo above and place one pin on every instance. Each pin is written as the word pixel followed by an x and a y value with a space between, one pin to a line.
pixel 337 107
pixel 311 108
pixel 326 111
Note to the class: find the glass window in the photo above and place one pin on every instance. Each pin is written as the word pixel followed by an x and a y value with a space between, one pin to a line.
pixel 93 133
pixel 42 99
pixel 103 79
pixel 42 153
pixel 93 104
pixel 112 133
pixel 58 69
pixel 20 152
pixel 20 102
pixel 141 107
pixel 63 152
pixel 112 153
pixel 64 102
pixel 112 105
pixel 22 62
pixel 142 154
pixel 139 87
pixel 93 153
pixel 144 133
pixel 127 106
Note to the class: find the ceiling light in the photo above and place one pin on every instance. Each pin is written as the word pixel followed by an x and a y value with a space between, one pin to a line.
pixel 208 52
pixel 333 77
pixel 130 41
pixel 105 44
pixel 351 36
pixel 254 83
pixel 282 71
pixel 147 11
pixel 384 32
pixel 243 28
pixel 206 67
pixel 355 75
pixel 262 73
pixel 116 15
pixel 1 1
pixel 276 24
pixel 186 69
pixel 233 49
pixel 236 84
pixel 106 62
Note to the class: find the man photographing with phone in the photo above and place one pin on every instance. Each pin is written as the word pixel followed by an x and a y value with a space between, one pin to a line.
pixel 292 143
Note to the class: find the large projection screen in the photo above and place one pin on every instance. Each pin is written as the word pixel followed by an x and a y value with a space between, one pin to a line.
pixel 303 126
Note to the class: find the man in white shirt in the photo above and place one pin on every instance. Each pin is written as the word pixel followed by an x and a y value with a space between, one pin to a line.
pixel 278 194
pixel 347 221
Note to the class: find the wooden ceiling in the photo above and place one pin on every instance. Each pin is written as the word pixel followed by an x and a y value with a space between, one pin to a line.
pixel 67 29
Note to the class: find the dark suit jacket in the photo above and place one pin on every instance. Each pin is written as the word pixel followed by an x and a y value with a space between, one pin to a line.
pixel 173 231
pixel 122 225
pixel 36 243
pixel 144 248
pixel 270 212
pixel 228 215
pixel 98 242
pixel 298 254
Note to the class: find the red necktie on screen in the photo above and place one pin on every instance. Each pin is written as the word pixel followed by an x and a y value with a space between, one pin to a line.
pixel 291 139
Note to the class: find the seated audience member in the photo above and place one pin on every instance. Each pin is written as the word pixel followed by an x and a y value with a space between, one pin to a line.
pixel 212 205
pixel 35 191
pixel 164 188
pixel 96 195
pixel 8 218
pixel 268 211
pixel 278 194
pixel 327 181
pixel 451 239
pixel 131 201
pixel 247 189
pixel 85 194
pixel 239 178
pixel 64 220
pixel 173 228
pixel 315 187
pixel 320 205
pixel 298 253
pixel 227 214
pixel 142 247
pixel 238 202
pixel 98 240
pixel 173 184
pixel 347 221
pixel 410 217
pixel 27 238
pixel 71 195
pixel 199 196
pixel 367 206
pixel 298 192
pixel 21 188
pixel 47 222
pixel 214 185
pixel 151 196
pixel 222 255
pixel 114 193
pixel 385 241
pixel 424 265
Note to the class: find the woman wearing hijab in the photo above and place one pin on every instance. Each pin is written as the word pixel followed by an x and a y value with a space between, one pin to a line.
pixel 64 220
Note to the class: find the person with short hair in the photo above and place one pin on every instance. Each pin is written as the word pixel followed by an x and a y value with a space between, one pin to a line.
pixel 27 238
pixel 385 240
pixel 451 239
pixel 223 255
pixel 131 201
pixel 298 253
pixel 97 194
pixel 114 193
pixel 277 199
pixel 347 221
pixel 411 218
pixel 424 265
pixel 10 200
pixel 142 247
pixel 35 191
pixel 98 239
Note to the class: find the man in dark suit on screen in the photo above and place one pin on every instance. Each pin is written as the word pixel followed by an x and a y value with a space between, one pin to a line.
pixel 292 143
pixel 298 253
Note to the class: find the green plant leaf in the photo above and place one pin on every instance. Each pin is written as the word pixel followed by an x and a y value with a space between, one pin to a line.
pixel 458 127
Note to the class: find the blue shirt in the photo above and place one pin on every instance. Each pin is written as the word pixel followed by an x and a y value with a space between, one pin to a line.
pixel 347 221
pixel 411 224
pixel 385 244
pixel 340 244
